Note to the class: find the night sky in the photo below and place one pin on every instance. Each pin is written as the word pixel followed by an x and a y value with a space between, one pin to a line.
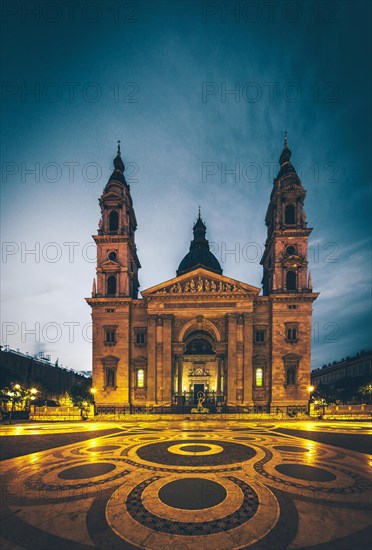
pixel 160 76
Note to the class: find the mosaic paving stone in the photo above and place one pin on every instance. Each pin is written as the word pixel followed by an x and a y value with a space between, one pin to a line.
pixel 192 494
pixel 245 496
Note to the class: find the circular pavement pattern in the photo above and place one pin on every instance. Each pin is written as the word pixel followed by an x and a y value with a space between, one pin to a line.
pixel 87 470
pixel 304 472
pixel 192 493
pixel 189 449
pixel 236 517
pixel 290 449
pixel 160 453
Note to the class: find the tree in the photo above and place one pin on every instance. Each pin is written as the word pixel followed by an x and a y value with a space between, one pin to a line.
pixel 16 395
pixel 366 392
pixel 80 396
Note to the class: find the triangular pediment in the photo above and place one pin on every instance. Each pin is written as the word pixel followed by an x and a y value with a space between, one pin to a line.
pixel 200 281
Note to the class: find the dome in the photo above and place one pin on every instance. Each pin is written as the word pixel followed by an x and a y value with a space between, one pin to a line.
pixel 199 254
pixel 199 257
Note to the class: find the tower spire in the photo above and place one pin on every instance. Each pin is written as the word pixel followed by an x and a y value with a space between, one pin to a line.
pixel 118 163
pixel 285 157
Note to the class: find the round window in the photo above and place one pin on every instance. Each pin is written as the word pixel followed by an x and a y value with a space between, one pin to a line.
pixel 291 250
pixel 112 256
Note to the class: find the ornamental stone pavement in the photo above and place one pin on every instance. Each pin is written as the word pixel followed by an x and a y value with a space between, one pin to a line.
pixel 188 484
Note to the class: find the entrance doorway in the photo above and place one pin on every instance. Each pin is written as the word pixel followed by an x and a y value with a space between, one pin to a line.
pixel 198 388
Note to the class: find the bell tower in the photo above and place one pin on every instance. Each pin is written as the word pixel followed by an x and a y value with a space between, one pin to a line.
pixel 285 259
pixel 117 261
pixel 287 288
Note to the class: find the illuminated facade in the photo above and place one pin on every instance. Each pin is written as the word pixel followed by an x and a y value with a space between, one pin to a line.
pixel 202 333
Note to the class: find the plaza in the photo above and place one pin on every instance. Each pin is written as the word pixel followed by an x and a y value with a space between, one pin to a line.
pixel 187 483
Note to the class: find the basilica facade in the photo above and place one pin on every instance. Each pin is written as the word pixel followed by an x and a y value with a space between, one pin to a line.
pixel 202 334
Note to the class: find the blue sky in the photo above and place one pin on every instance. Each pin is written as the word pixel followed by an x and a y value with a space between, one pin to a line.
pixel 160 76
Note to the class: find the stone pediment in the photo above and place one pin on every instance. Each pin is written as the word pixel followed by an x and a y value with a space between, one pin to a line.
pixel 200 281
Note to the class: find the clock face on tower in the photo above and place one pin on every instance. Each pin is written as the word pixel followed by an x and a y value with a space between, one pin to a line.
pixel 112 256
pixel 290 250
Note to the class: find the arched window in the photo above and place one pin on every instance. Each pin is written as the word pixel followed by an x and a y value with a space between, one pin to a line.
pixel 113 221
pixel 291 282
pixel 290 212
pixel 111 285
pixel 259 377
pixel 140 378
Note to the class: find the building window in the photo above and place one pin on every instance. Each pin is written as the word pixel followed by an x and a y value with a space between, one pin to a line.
pixel 110 377
pixel 111 285
pixel 292 307
pixel 291 365
pixel 110 310
pixel 140 378
pixel 291 375
pixel 140 338
pixel 291 283
pixel 290 214
pixel 112 256
pixel 291 331
pixel 290 250
pixel 260 336
pixel 113 220
pixel 259 377
pixel 110 336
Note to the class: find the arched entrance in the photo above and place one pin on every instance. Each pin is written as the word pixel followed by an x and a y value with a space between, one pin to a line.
pixel 199 369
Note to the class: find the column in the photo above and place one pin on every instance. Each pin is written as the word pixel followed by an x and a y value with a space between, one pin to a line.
pixel 247 361
pixel 167 359
pixel 151 367
pixel 218 388
pixel 231 359
pixel 179 376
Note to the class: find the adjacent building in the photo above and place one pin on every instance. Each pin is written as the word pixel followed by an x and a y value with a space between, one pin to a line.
pixel 350 367
pixel 51 381
pixel 202 333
